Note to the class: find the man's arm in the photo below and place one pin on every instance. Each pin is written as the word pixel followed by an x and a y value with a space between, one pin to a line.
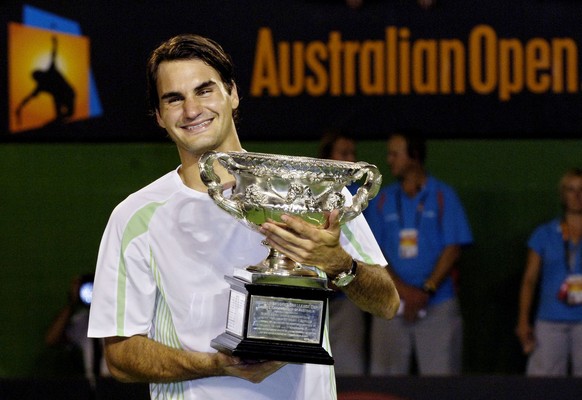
pixel 140 359
pixel 372 289
pixel 57 331
pixel 444 265
pixel 524 329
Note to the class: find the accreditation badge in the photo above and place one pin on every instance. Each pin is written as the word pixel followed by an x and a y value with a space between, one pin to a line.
pixel 571 290
pixel 408 247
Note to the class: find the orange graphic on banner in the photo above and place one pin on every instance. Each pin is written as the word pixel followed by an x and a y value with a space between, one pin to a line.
pixel 48 75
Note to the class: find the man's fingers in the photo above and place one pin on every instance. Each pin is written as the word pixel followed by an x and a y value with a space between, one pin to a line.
pixel 296 224
pixel 333 220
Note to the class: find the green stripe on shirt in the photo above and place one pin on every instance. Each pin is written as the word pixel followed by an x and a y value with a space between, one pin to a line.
pixel 136 226
pixel 352 239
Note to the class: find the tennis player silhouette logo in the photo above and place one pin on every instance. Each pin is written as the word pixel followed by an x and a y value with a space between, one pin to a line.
pixel 52 82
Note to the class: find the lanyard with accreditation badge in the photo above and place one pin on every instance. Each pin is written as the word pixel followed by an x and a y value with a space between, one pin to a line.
pixel 408 237
pixel 571 289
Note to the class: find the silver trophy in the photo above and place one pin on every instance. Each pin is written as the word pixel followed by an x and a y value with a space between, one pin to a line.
pixel 277 307
pixel 269 185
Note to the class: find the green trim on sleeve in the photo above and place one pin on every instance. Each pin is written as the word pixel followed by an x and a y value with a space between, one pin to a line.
pixel 136 226
pixel 352 239
pixel 165 331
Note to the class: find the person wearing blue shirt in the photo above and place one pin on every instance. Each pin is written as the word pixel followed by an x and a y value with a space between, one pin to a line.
pixel 348 324
pixel 421 227
pixel 554 264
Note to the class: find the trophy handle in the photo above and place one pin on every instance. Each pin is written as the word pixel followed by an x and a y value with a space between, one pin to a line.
pixel 212 181
pixel 365 193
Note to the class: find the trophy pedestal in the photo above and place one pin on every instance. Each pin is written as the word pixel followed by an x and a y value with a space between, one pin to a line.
pixel 275 318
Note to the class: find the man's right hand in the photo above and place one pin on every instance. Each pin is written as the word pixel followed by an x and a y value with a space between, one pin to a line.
pixel 525 334
pixel 250 370
pixel 141 359
pixel 415 300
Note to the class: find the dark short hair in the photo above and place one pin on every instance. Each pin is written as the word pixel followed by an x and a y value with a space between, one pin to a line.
pixel 188 47
pixel 328 141
pixel 574 172
pixel 415 144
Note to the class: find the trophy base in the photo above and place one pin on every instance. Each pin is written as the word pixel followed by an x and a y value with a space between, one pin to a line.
pixel 252 349
pixel 276 318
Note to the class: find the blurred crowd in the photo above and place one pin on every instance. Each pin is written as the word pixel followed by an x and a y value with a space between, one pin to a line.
pixel 421 226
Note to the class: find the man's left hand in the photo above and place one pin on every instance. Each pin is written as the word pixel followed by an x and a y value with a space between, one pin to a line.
pixel 308 244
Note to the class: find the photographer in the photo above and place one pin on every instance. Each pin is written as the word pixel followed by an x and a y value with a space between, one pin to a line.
pixel 70 327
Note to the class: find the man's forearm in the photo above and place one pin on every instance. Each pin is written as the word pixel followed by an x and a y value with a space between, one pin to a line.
pixel 140 359
pixel 445 264
pixel 373 290
pixel 56 332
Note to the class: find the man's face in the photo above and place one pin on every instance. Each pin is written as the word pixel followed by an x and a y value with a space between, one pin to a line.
pixel 344 150
pixel 397 157
pixel 572 194
pixel 195 107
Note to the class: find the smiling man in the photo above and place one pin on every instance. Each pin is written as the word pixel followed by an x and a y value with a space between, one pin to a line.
pixel 160 296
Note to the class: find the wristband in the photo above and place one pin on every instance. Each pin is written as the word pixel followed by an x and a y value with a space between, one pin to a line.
pixel 345 278
pixel 429 288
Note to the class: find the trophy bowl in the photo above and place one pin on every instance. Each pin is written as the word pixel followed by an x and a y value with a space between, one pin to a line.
pixel 270 185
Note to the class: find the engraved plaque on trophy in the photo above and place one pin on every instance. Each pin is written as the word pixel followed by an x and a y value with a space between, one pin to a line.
pixel 277 308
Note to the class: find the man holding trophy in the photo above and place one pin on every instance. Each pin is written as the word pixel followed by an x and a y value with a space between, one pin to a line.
pixel 162 295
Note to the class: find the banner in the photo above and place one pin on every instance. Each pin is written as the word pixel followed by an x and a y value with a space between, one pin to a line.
pixel 461 69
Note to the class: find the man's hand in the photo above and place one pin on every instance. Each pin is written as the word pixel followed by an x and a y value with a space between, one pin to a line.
pixel 250 370
pixel 140 359
pixel 414 301
pixel 308 244
pixel 74 298
pixel 372 290
pixel 525 334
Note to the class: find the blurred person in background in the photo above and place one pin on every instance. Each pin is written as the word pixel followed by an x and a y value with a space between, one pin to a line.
pixel 348 324
pixel 554 342
pixel 421 227
pixel 69 328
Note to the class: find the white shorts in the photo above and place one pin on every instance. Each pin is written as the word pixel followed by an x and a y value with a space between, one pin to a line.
pixel 557 344
pixel 435 339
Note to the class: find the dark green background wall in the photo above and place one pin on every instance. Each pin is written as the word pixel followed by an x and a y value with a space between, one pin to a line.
pixel 55 200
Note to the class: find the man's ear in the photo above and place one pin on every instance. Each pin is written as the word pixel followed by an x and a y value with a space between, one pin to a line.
pixel 234 97
pixel 160 120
